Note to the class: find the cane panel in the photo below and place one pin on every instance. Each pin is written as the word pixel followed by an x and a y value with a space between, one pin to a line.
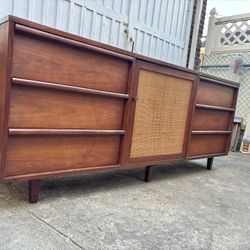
pixel 161 114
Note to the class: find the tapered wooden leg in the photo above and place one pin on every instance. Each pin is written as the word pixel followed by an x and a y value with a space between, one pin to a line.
pixel 34 188
pixel 210 163
pixel 148 173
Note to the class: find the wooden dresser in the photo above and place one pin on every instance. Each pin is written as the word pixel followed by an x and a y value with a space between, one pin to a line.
pixel 71 105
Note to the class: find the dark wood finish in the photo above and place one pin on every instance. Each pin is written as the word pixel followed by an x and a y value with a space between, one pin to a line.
pixel 217 81
pixel 68 106
pixel 216 95
pixel 6 50
pixel 210 132
pixel 33 107
pixel 40 27
pixel 34 188
pixel 70 42
pixel 212 118
pixel 33 154
pixel 4 31
pixel 205 119
pixel 231 123
pixel 64 87
pixel 65 172
pixel 210 163
pixel 128 116
pixel 64 64
pixel 148 173
pixel 129 113
pixel 25 131
pixel 207 144
pixel 33 25
pixel 194 157
pixel 204 106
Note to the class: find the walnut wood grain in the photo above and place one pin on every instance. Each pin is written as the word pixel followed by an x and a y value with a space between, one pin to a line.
pixel 206 119
pixel 214 94
pixel 6 38
pixel 207 144
pixel 72 107
pixel 33 107
pixel 37 154
pixel 64 64
pixel 213 79
pixel 70 42
pixel 64 87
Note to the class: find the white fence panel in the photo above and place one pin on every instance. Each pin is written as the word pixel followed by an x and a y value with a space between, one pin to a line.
pixel 228 34
pixel 156 28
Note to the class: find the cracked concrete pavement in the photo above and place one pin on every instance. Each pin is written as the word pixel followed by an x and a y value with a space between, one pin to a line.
pixel 183 207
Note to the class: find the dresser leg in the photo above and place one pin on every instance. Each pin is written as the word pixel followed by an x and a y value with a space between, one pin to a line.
pixel 148 173
pixel 34 188
pixel 210 163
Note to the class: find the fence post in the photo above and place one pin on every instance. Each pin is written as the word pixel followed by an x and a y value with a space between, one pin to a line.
pixel 211 32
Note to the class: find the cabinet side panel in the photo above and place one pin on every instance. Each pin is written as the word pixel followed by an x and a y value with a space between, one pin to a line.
pixel 4 34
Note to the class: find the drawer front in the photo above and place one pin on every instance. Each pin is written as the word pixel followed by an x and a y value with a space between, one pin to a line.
pixel 42 59
pixel 41 154
pixel 214 94
pixel 34 107
pixel 207 144
pixel 205 119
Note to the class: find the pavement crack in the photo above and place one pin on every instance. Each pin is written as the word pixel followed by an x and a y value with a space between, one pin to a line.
pixel 66 238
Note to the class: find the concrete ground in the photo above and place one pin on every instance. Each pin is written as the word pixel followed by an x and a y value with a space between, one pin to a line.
pixel 184 207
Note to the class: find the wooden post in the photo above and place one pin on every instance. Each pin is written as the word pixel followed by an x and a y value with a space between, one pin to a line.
pixel 148 173
pixel 210 163
pixel 34 188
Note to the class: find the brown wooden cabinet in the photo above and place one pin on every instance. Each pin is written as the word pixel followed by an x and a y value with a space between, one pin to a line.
pixel 71 105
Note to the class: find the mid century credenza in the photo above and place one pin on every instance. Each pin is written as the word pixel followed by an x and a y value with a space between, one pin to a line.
pixel 71 105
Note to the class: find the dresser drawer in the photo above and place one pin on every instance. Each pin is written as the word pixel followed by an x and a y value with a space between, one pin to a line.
pixel 60 153
pixel 215 95
pixel 207 119
pixel 35 107
pixel 49 60
pixel 202 145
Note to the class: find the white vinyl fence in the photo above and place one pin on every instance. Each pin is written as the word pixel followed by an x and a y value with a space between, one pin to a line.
pixel 156 28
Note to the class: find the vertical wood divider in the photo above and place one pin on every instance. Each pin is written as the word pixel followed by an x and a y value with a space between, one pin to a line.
pixel 128 117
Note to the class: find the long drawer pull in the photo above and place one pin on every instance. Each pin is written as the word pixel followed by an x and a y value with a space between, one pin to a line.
pixel 64 87
pixel 204 106
pixel 210 132
pixel 25 131
pixel 71 42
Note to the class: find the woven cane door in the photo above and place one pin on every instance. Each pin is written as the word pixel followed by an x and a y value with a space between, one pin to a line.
pixel 161 115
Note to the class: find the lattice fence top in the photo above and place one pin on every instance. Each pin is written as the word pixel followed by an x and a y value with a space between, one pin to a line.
pixel 235 33
pixel 228 33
